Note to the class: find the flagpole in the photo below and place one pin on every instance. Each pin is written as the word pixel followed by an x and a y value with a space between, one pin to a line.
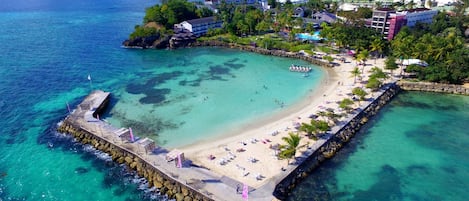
pixel 91 85
pixel 68 107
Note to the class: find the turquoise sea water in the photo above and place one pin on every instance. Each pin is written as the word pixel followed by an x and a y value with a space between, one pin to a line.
pixel 415 149
pixel 182 96
pixel 49 47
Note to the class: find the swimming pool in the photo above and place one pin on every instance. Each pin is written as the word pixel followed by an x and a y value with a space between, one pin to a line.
pixel 308 36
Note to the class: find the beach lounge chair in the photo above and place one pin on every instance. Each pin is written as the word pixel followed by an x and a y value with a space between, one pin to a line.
pixel 258 176
pixel 245 173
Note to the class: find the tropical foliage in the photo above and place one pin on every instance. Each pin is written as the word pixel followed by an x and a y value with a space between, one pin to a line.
pixel 346 104
pixel 167 14
pixel 288 150
pixel 314 128
pixel 359 92
pixel 440 44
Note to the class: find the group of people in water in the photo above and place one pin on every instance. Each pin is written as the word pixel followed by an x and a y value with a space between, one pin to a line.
pixel 302 69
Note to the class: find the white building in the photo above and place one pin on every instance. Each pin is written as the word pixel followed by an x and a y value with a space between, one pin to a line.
pixel 421 15
pixel 200 26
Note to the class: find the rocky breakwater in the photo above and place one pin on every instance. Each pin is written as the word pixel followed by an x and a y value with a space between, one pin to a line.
pixel 334 143
pixel 259 50
pixel 433 87
pixel 165 183
pixel 154 41
pixel 122 152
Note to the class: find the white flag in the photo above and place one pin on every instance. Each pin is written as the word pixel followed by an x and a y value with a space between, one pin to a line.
pixel 89 77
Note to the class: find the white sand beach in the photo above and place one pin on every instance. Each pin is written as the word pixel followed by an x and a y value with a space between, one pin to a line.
pixel 246 154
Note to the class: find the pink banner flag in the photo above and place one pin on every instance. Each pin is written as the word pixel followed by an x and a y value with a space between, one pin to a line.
pixel 245 191
pixel 131 135
pixel 179 165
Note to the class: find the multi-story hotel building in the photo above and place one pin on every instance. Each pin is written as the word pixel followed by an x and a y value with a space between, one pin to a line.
pixel 389 22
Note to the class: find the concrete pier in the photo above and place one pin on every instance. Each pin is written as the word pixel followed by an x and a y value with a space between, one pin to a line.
pixel 186 183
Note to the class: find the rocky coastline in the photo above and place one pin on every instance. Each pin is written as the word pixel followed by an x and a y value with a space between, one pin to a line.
pixel 433 87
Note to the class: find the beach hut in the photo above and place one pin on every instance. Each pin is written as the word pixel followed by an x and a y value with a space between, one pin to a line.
pixel 147 144
pixel 123 133
pixel 172 155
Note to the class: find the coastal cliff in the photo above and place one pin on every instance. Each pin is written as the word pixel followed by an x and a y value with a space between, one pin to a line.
pixel 154 41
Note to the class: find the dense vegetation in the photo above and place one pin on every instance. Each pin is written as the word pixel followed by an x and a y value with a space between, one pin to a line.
pixel 440 44
pixel 167 14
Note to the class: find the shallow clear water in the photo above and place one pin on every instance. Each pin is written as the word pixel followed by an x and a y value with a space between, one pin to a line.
pixel 415 149
pixel 187 95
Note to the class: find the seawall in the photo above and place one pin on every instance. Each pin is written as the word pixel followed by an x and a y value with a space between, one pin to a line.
pixel 259 50
pixel 433 87
pixel 334 143
pixel 86 129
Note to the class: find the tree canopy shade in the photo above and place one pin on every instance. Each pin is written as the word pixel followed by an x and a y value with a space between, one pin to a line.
pixel 347 36
pixel 390 64
pixel 355 72
pixel 373 83
pixel 440 45
pixel 288 150
pixel 174 11
pixel 359 92
pixel 345 104
pixel 142 31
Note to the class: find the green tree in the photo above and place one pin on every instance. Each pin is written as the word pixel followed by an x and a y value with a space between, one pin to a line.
pixel 288 150
pixel 345 104
pixel 355 72
pixel 359 92
pixel 363 56
pixel 204 12
pixel 373 83
pixel 328 58
pixel 377 73
pixel 377 46
pixel 390 64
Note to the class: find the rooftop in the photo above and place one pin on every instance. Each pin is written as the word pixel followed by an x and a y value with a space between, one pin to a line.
pixel 201 20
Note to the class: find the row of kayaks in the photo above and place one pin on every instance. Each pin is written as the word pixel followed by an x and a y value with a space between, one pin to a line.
pixel 301 69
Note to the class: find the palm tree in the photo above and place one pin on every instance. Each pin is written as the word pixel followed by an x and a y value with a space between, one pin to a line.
pixel 345 104
pixel 363 56
pixel 310 130
pixel 360 93
pixel 377 45
pixel 288 150
pixel 355 72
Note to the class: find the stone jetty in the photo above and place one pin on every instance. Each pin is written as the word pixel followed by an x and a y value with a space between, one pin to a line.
pixel 187 182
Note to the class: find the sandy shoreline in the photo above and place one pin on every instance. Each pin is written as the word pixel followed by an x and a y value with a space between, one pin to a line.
pixel 244 154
